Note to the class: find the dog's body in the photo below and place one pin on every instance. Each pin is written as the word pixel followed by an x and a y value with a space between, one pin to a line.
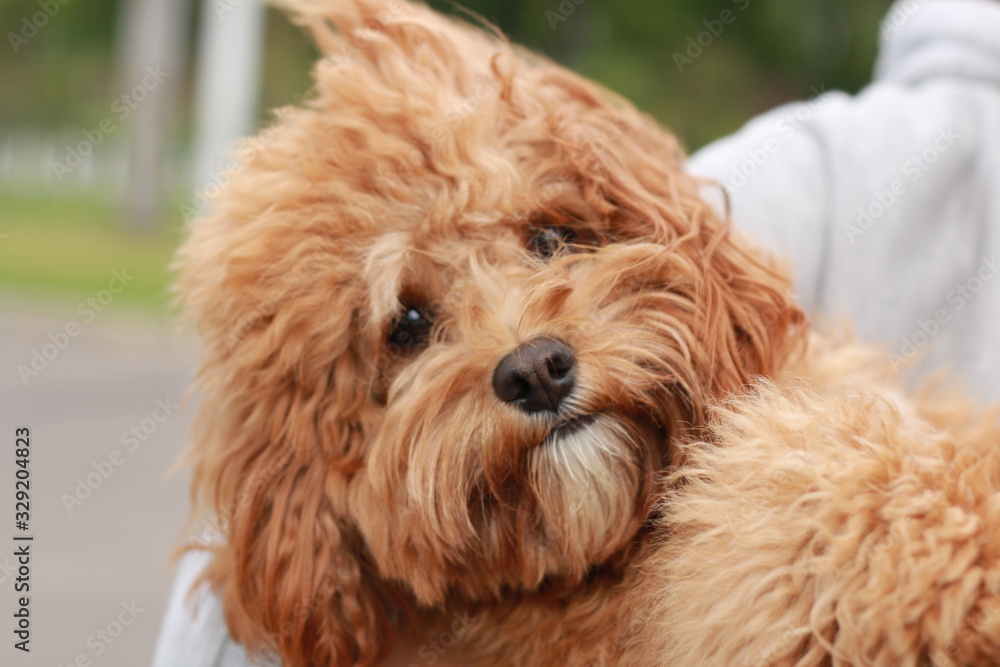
pixel 460 318
pixel 829 520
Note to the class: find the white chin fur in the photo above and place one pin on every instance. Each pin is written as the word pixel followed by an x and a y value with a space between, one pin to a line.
pixel 587 483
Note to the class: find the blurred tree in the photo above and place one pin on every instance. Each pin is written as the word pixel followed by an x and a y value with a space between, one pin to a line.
pixel 63 70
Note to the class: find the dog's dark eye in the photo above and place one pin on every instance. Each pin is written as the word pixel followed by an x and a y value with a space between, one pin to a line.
pixel 411 330
pixel 547 241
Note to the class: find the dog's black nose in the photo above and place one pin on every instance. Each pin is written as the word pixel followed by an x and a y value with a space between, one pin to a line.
pixel 536 376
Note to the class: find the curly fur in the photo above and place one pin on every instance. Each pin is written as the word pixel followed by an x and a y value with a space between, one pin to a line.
pixel 367 491
pixel 827 523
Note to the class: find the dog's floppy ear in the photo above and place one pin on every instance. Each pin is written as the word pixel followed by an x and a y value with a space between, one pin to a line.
pixel 278 432
pixel 290 572
pixel 742 315
pixel 750 321
pixel 745 316
pixel 757 323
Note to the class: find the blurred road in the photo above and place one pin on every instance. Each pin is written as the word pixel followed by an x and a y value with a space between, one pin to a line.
pixel 104 523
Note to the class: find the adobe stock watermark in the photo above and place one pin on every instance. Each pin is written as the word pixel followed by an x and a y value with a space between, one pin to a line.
pixel 584 152
pixel 87 309
pixel 8 569
pixel 897 532
pixel 245 150
pixel 463 108
pixel 915 167
pixel 451 119
pixel 302 274
pixel 305 607
pixel 121 108
pixel 789 639
pixel 225 7
pixel 130 440
pixel 898 15
pixel 432 650
pixel 562 12
pixel 957 299
pixel 360 37
pixel 31 25
pixel 103 638
pixel 784 129
pixel 968 634
pixel 696 44
pixel 213 528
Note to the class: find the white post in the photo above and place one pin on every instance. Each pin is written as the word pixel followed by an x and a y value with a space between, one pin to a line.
pixel 151 62
pixel 230 46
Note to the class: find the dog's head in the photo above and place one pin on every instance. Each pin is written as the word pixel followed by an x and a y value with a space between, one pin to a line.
pixel 453 312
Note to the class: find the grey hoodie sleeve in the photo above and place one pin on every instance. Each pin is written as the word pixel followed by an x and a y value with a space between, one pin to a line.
pixel 194 630
pixel 888 202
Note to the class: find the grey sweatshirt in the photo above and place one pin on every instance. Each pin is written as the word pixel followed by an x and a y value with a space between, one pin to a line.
pixel 887 203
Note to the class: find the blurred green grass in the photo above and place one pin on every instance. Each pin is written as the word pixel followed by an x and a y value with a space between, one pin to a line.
pixel 69 245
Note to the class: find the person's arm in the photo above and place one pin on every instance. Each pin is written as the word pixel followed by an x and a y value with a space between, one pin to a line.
pixel 888 202
pixel 194 632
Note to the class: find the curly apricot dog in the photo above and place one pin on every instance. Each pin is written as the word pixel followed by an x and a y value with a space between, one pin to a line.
pixel 460 319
